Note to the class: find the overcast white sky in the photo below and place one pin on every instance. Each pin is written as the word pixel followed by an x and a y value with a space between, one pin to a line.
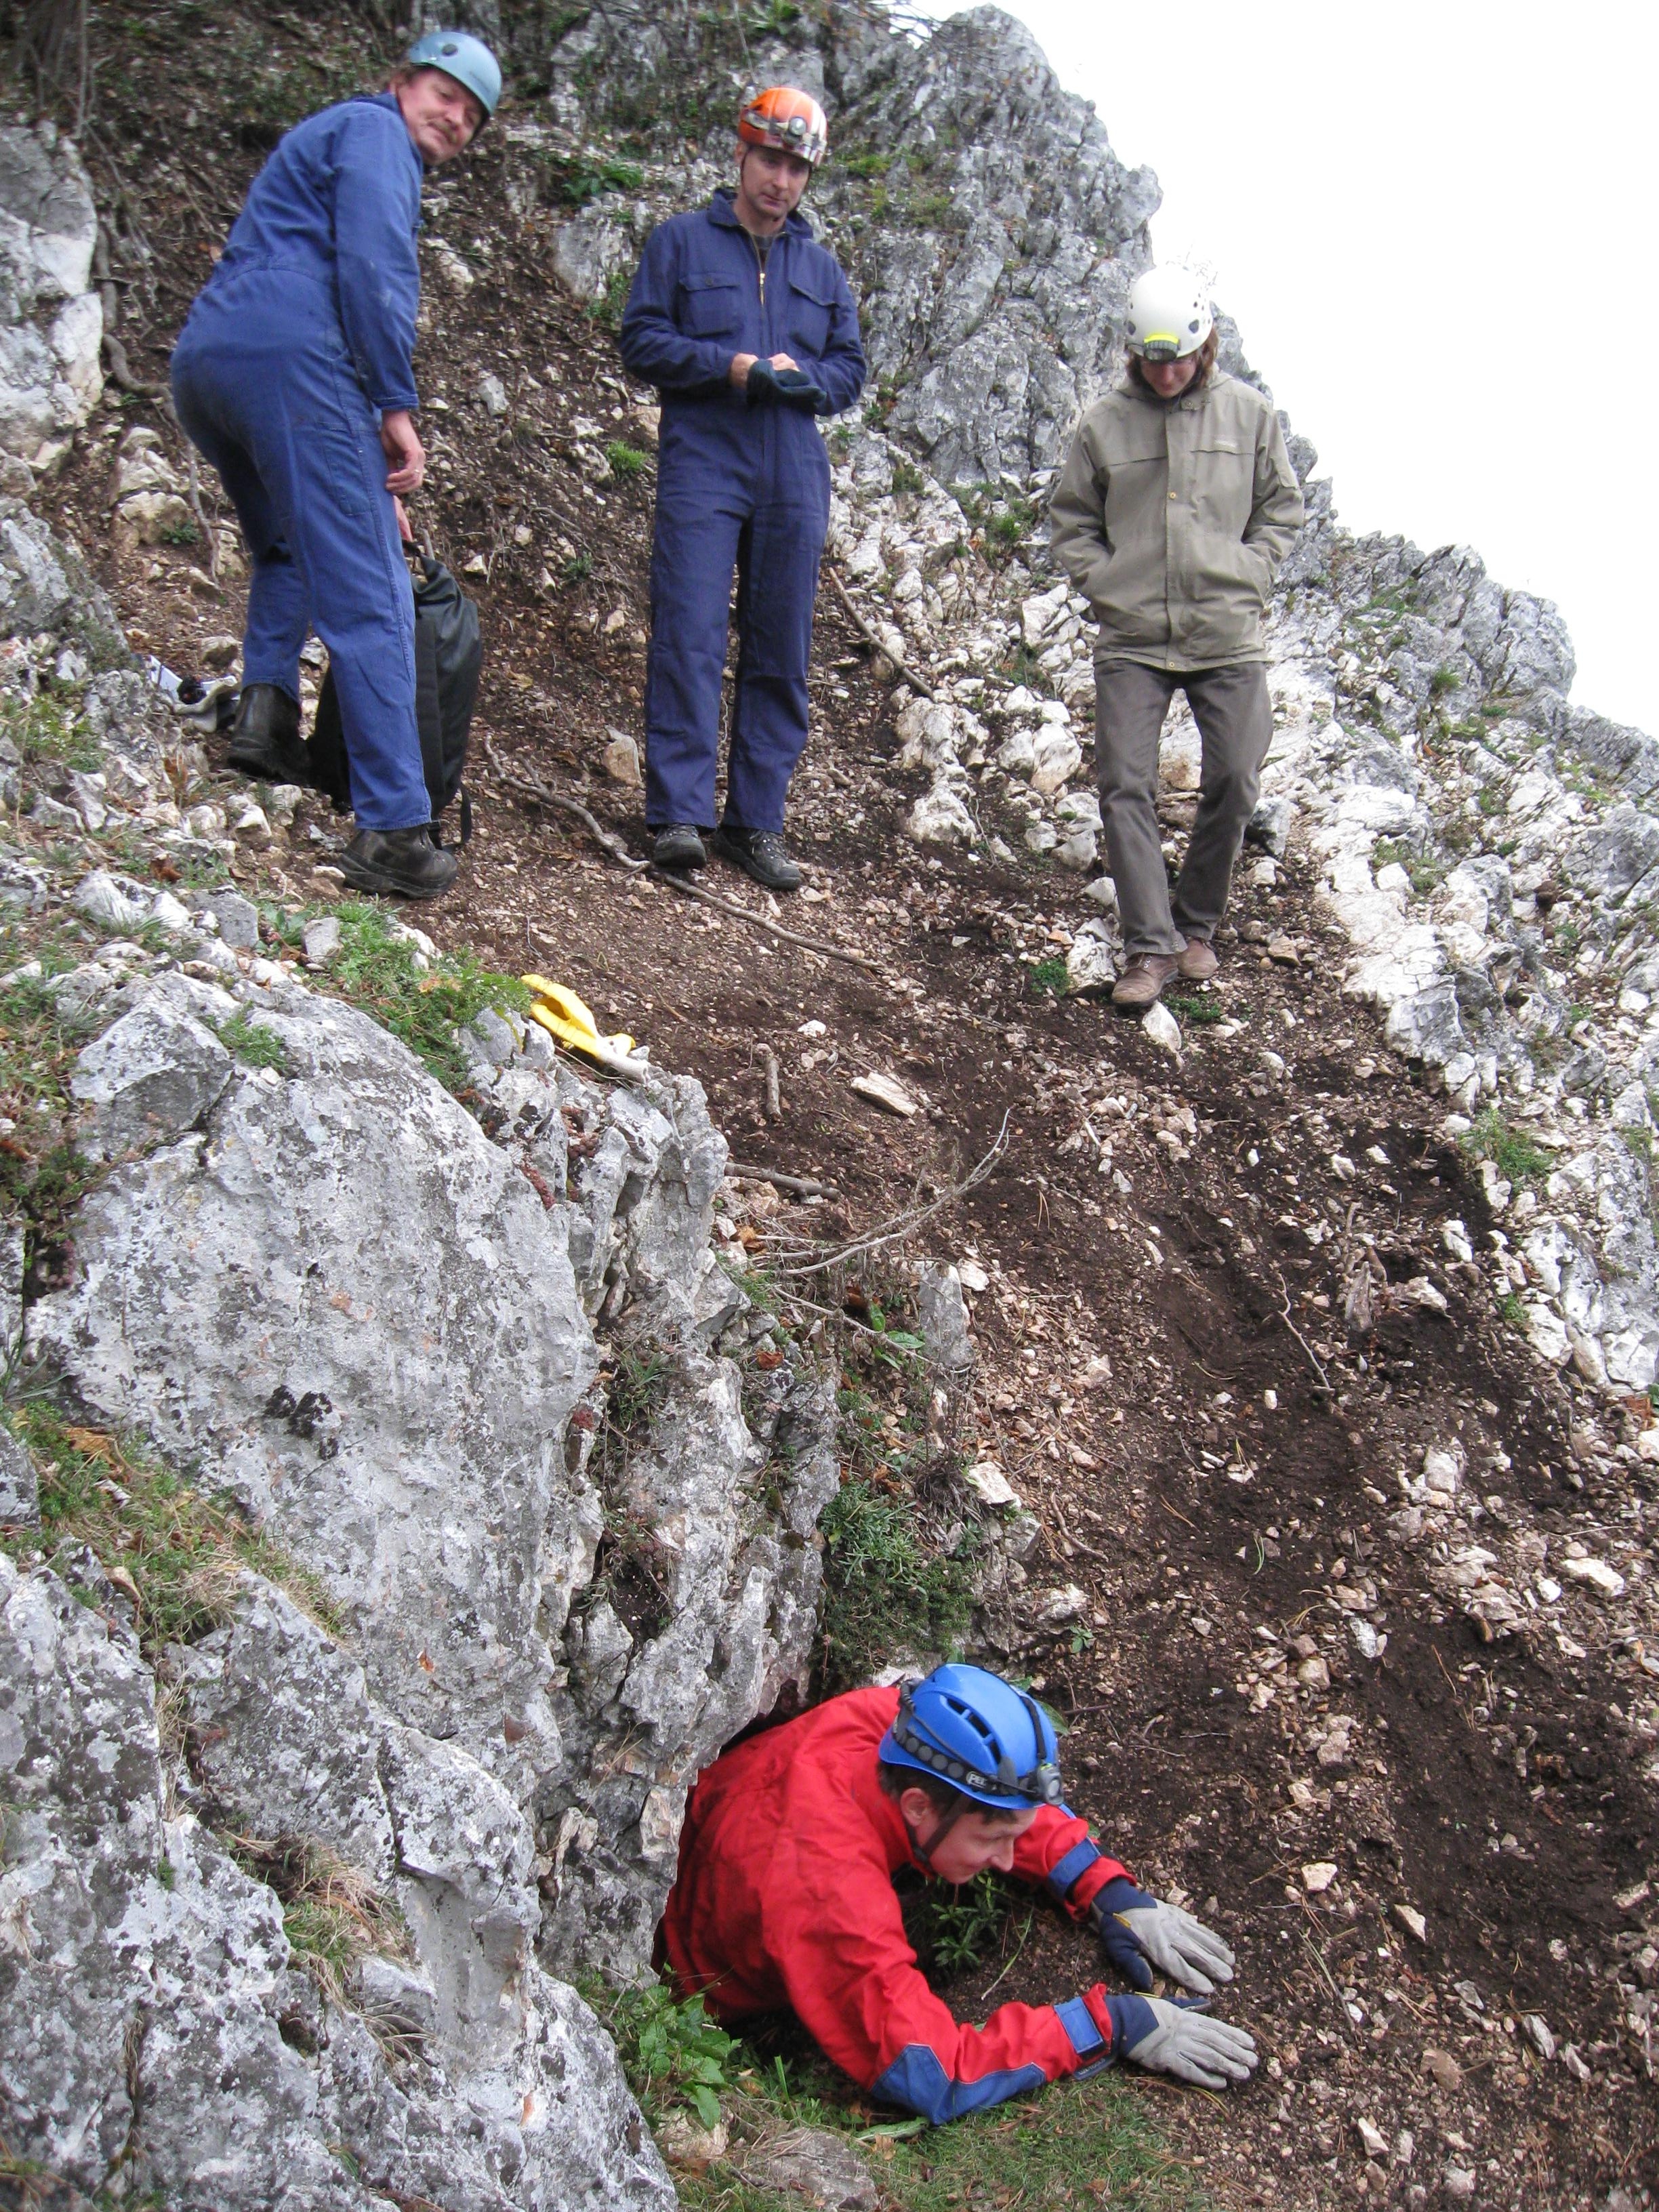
pixel 1435 224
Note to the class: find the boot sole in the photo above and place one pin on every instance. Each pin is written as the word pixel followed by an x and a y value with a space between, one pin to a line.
pixel 378 881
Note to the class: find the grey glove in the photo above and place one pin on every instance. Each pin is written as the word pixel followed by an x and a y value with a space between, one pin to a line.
pixel 1186 2043
pixel 1134 1928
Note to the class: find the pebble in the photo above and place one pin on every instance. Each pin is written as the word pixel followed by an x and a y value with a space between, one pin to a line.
pixel 882 1090
pixel 1161 1027
pixel 1280 948
pixel 1442 2070
pixel 1318 1875
pixel 1413 1922
pixel 1372 2140
pixel 1597 1574
pixel 620 758
pixel 321 940
pixel 1538 2035
pixel 1459 2181
pixel 238 919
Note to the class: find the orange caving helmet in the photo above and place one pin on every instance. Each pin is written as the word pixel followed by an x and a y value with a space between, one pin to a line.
pixel 790 119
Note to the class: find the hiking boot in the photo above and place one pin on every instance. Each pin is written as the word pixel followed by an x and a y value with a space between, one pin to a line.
pixel 1198 963
pixel 265 738
pixel 759 854
pixel 400 863
pixel 679 845
pixel 1142 981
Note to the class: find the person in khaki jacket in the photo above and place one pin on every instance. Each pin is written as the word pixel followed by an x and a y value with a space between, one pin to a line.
pixel 1176 505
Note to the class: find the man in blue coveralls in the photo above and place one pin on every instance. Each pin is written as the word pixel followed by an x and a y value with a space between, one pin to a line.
pixel 293 375
pixel 746 326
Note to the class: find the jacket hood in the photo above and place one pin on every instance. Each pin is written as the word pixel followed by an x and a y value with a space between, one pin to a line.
pixel 722 209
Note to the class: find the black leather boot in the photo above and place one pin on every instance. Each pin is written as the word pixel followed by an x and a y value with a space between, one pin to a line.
pixel 398 862
pixel 265 738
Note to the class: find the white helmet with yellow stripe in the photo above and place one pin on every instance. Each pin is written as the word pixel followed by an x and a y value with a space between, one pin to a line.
pixel 1169 315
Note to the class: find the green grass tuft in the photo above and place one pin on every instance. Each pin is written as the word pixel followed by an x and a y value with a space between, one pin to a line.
pixel 253 1043
pixel 423 1008
pixel 884 1590
pixel 1048 979
pixel 1517 1158
pixel 624 460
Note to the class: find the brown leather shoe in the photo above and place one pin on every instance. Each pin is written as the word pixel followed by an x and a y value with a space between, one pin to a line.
pixel 1142 981
pixel 1198 963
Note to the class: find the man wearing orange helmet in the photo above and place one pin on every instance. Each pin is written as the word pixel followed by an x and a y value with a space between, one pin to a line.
pixel 747 328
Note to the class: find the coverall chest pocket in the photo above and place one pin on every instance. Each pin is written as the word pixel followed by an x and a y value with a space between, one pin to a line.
pixel 1224 484
pixel 812 308
pixel 710 306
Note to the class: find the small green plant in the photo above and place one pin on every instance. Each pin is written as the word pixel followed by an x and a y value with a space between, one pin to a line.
pixel 578 568
pixel 1198 1013
pixel 47 728
pixel 253 1043
pixel 1442 681
pixel 574 180
pixel 607 310
pixel 1513 1311
pixel 181 533
pixel 907 478
pixel 1517 1158
pixel 884 1590
pixel 961 1927
pixel 1048 979
pixel 378 970
pixel 868 165
pixel 671 2052
pixel 623 460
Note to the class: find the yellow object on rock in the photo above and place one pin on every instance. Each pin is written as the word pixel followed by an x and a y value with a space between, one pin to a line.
pixel 570 1021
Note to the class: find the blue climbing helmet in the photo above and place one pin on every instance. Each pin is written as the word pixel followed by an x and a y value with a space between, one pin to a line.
pixel 979 1733
pixel 466 59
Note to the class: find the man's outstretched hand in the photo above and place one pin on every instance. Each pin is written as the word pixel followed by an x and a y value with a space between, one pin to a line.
pixel 1137 1935
pixel 1176 2038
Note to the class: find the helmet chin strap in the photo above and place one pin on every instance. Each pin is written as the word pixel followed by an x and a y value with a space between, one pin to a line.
pixel 946 1822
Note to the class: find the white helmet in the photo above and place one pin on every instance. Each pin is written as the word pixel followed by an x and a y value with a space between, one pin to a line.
pixel 1169 315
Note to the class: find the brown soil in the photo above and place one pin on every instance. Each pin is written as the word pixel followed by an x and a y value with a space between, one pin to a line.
pixel 1496 1787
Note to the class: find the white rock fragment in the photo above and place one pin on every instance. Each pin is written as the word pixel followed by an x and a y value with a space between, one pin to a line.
pixel 1161 1027
pixel 1372 2141
pixel 1538 2034
pixel 986 1478
pixel 1318 1875
pixel 1413 1922
pixel 1597 1574
pixel 882 1090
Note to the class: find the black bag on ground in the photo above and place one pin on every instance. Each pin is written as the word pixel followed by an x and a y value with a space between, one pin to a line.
pixel 448 659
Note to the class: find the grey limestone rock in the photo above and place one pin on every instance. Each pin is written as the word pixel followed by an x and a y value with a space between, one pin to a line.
pixel 944 1313
pixel 153 2022
pixel 52 323
pixel 377 1334
pixel 20 1492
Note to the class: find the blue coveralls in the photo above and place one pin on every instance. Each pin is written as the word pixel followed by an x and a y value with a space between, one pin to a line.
pixel 736 485
pixel 297 343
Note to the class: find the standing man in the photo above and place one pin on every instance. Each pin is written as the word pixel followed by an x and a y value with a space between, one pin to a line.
pixel 1174 509
pixel 293 375
pixel 785 1897
pixel 747 328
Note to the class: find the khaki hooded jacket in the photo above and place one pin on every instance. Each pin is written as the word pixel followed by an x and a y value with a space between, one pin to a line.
pixel 1172 518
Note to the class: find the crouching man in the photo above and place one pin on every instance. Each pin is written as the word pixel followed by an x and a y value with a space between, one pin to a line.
pixel 1174 509
pixel 785 1897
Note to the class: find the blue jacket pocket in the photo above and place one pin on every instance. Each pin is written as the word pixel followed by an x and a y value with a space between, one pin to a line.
pixel 710 306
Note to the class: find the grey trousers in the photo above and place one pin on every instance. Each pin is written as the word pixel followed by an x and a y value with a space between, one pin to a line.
pixel 1234 720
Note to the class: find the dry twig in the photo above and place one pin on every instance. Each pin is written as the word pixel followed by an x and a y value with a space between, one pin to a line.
pixel 902 1224
pixel 868 630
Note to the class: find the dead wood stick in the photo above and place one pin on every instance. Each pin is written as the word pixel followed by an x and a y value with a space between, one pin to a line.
pixel 804 1185
pixel 620 853
pixel 902 1224
pixel 1313 1360
pixel 862 623
pixel 773 1098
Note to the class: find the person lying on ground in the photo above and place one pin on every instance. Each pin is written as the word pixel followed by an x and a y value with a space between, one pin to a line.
pixel 747 328
pixel 293 375
pixel 1176 508
pixel 784 1898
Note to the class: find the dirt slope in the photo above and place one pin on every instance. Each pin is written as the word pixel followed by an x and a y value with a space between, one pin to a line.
pixel 1218 1462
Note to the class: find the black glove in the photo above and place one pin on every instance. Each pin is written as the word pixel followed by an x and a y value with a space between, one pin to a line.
pixel 797 389
pixel 762 384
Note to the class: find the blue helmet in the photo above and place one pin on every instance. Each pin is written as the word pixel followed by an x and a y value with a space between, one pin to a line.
pixel 979 1733
pixel 466 59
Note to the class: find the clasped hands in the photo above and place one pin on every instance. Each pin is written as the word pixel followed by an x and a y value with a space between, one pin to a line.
pixel 778 380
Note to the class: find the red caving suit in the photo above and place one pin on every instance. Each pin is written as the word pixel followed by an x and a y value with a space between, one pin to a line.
pixel 785 1897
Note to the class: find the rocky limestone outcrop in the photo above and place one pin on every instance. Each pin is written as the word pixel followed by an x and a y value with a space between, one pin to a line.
pixel 51 320
pixel 157 2033
pixel 561 1571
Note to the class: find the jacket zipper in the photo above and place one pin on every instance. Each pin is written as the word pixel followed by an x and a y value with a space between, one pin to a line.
pixel 760 270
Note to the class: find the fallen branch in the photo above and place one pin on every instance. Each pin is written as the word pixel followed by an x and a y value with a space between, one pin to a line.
pixel 620 853
pixel 902 1224
pixel 774 1095
pixel 873 637
pixel 1313 1359
pixel 804 1185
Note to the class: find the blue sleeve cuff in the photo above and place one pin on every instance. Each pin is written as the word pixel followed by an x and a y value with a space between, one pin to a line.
pixel 1119 1894
pixel 1061 1875
pixel 1079 2023
pixel 917 2080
